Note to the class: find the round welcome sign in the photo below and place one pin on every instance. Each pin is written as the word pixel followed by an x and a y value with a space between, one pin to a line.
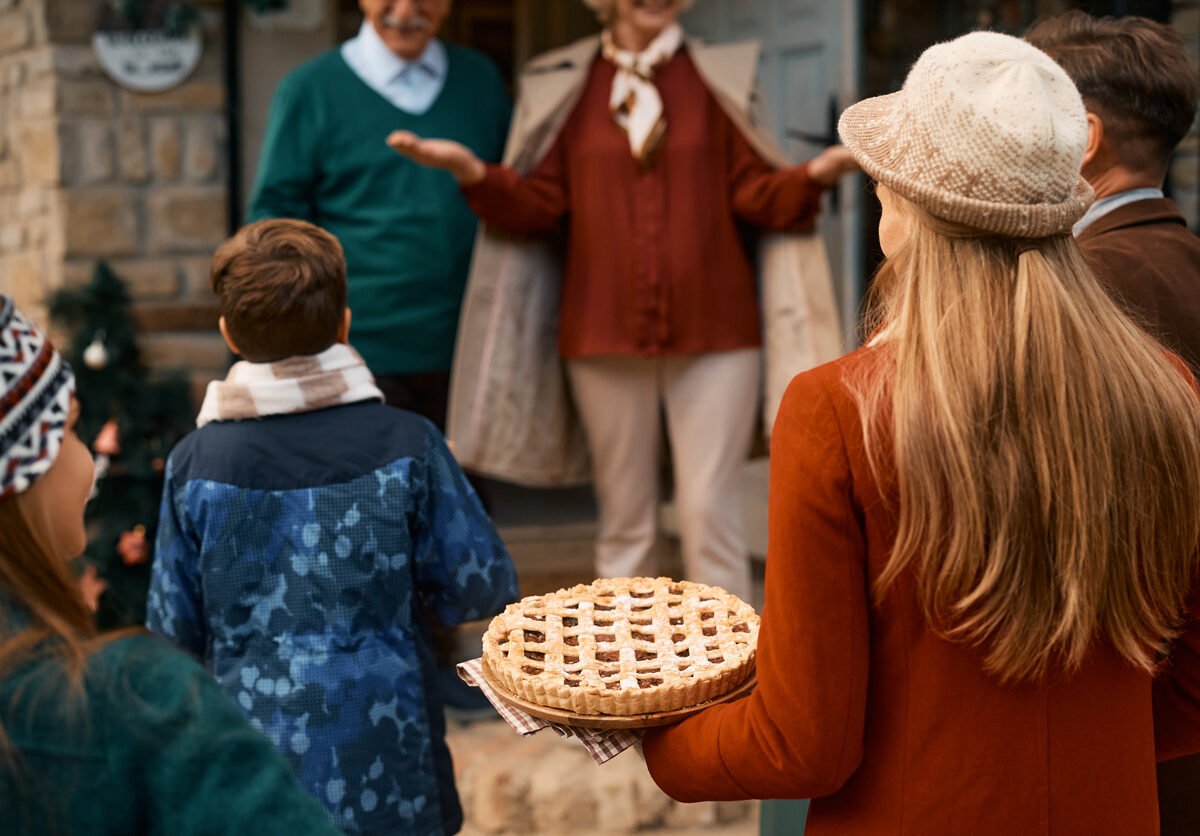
pixel 148 60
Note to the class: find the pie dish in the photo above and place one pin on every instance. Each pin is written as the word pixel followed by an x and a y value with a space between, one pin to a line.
pixel 623 646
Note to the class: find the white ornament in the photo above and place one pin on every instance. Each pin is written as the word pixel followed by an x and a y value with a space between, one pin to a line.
pixel 95 356
pixel 103 463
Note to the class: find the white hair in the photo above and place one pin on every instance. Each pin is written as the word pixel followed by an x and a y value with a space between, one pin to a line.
pixel 604 8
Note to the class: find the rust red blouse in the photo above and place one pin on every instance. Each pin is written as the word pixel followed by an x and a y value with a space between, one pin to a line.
pixel 890 728
pixel 655 259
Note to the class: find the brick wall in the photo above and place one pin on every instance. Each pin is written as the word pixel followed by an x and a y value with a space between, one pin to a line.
pixel 91 171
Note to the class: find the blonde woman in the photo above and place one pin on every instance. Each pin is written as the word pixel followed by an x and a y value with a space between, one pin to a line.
pixel 640 146
pixel 983 524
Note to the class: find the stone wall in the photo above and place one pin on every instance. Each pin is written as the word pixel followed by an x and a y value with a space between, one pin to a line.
pixel 91 171
pixel 31 234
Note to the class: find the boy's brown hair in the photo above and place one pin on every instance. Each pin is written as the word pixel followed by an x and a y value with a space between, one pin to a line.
pixel 282 284
pixel 1134 73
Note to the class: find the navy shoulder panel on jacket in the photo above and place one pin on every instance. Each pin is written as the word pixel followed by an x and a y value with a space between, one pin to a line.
pixel 301 450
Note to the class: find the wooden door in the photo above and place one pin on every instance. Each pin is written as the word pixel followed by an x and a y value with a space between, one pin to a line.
pixel 546 24
pixel 808 72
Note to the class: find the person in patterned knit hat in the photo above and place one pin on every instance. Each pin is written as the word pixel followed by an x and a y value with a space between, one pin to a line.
pixel 981 596
pixel 115 734
pixel 305 529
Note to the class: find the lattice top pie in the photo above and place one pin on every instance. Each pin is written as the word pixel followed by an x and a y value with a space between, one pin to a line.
pixel 623 646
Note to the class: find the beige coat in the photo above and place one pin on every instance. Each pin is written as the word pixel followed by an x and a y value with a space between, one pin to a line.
pixel 511 415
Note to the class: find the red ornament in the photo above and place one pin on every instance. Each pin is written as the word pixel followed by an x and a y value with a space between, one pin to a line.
pixel 133 547
pixel 92 587
pixel 108 440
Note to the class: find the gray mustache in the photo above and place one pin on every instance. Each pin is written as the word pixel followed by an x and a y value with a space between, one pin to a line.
pixel 413 24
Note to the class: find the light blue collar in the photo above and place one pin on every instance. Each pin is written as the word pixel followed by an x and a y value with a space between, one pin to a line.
pixel 410 85
pixel 1113 201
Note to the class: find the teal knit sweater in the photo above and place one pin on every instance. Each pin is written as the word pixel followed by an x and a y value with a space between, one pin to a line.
pixel 406 230
pixel 157 749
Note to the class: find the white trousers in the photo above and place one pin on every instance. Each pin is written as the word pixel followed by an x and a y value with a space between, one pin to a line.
pixel 711 402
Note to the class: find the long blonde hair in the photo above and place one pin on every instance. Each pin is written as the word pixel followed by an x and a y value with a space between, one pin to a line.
pixel 1046 463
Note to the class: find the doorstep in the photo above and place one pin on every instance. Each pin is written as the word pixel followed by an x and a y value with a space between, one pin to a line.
pixel 544 785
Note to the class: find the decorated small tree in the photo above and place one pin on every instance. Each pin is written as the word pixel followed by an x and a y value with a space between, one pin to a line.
pixel 131 417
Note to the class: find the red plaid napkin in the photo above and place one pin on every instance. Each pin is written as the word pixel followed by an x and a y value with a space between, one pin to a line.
pixel 603 746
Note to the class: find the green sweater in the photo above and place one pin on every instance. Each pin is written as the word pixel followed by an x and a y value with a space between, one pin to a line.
pixel 406 230
pixel 158 749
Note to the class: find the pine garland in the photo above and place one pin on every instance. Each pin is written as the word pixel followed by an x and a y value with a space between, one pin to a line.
pixel 176 16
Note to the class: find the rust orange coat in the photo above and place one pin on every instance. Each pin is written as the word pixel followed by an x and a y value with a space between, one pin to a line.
pixel 890 728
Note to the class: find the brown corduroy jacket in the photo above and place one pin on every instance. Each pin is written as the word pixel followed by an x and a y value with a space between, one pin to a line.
pixel 1145 255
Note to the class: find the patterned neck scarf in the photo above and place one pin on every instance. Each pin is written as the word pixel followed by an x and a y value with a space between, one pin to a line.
pixel 298 384
pixel 634 103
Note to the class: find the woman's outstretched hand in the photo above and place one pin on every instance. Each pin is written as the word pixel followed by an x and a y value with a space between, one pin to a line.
pixel 831 165
pixel 446 154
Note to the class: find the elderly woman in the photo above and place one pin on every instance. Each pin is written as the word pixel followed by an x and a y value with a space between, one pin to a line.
pixel 639 146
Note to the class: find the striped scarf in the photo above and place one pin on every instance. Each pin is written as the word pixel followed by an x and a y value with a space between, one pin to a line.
pixel 298 384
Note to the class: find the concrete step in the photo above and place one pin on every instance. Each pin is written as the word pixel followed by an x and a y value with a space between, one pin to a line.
pixel 543 784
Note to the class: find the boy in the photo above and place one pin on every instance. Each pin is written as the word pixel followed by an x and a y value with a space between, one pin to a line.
pixel 304 526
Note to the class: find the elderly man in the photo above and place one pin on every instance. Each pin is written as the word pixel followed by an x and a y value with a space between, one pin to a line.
pixel 406 230
pixel 1140 89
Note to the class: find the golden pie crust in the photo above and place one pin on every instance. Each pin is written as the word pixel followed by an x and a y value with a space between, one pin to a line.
pixel 623 646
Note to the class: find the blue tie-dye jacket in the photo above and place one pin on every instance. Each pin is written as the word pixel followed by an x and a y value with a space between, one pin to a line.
pixel 293 556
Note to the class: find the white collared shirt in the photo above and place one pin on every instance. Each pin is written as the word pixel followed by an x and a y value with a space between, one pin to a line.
pixel 1114 201
pixel 412 86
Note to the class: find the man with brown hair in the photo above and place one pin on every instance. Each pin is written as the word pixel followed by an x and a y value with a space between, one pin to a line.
pixel 304 531
pixel 1140 89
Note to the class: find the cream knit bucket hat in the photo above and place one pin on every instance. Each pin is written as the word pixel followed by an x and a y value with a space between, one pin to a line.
pixel 987 131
